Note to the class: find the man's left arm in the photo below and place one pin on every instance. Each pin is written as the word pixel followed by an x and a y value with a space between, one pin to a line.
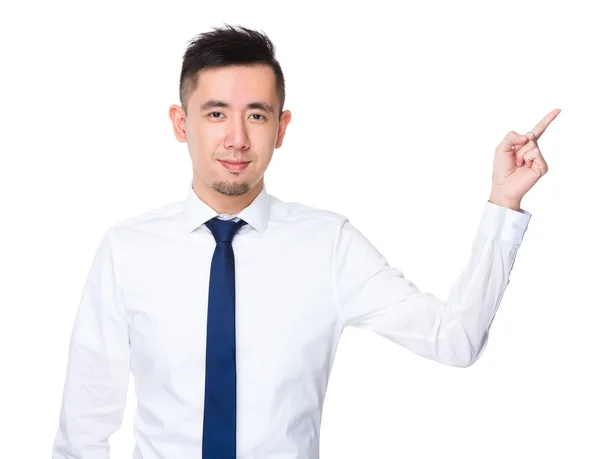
pixel 373 295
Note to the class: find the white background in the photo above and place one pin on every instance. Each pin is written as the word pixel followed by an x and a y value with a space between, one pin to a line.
pixel 396 112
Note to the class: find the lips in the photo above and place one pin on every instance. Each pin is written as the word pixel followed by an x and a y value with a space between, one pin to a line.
pixel 235 165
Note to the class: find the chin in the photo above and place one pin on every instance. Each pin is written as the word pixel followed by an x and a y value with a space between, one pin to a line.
pixel 230 188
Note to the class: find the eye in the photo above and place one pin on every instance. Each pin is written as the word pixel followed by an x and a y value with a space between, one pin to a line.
pixel 217 117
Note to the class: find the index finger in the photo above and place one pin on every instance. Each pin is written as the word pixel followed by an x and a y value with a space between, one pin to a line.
pixel 539 128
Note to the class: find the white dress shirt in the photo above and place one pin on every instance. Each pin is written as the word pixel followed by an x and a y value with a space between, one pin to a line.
pixel 302 275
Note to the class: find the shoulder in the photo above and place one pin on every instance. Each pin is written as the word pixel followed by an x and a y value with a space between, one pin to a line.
pixel 296 211
pixel 150 221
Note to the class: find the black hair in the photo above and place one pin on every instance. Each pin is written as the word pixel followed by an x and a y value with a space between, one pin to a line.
pixel 224 46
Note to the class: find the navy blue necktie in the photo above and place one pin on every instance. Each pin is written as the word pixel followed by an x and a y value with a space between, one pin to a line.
pixel 220 387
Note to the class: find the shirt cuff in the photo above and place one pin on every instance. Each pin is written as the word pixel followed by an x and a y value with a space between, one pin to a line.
pixel 503 223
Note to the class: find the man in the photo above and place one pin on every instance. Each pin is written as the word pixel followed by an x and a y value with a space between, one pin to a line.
pixel 227 306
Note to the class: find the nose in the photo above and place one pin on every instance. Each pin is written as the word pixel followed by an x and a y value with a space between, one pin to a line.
pixel 237 135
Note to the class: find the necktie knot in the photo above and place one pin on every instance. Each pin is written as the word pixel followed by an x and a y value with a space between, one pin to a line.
pixel 224 230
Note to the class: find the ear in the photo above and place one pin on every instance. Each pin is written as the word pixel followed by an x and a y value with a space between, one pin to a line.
pixel 177 116
pixel 284 120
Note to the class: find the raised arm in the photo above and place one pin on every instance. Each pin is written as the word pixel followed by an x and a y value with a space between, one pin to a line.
pixel 373 295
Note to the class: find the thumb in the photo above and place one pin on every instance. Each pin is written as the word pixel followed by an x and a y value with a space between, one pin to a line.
pixel 511 139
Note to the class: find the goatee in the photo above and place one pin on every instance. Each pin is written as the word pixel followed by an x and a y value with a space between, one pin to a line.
pixel 230 188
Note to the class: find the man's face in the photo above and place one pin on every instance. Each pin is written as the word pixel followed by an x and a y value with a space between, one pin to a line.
pixel 243 130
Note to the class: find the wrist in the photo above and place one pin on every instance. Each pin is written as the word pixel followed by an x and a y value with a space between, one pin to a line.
pixel 504 202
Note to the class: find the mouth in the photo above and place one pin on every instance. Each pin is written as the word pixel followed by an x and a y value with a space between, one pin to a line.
pixel 235 165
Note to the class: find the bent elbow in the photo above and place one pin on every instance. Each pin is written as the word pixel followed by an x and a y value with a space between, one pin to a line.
pixel 462 352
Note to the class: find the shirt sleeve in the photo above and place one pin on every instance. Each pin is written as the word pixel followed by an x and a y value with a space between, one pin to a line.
pixel 97 378
pixel 373 295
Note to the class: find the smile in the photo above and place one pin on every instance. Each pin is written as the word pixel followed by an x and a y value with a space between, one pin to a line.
pixel 234 166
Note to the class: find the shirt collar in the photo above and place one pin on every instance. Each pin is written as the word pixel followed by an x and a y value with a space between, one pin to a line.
pixel 197 212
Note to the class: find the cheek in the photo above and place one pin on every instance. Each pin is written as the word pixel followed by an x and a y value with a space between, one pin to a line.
pixel 203 143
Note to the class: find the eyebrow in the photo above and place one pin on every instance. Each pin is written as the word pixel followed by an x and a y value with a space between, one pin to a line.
pixel 211 103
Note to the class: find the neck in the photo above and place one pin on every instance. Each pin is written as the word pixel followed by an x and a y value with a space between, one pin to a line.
pixel 225 204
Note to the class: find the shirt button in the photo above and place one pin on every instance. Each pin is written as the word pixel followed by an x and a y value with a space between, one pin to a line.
pixel 515 226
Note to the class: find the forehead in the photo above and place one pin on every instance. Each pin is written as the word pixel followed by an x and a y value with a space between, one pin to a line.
pixel 236 84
